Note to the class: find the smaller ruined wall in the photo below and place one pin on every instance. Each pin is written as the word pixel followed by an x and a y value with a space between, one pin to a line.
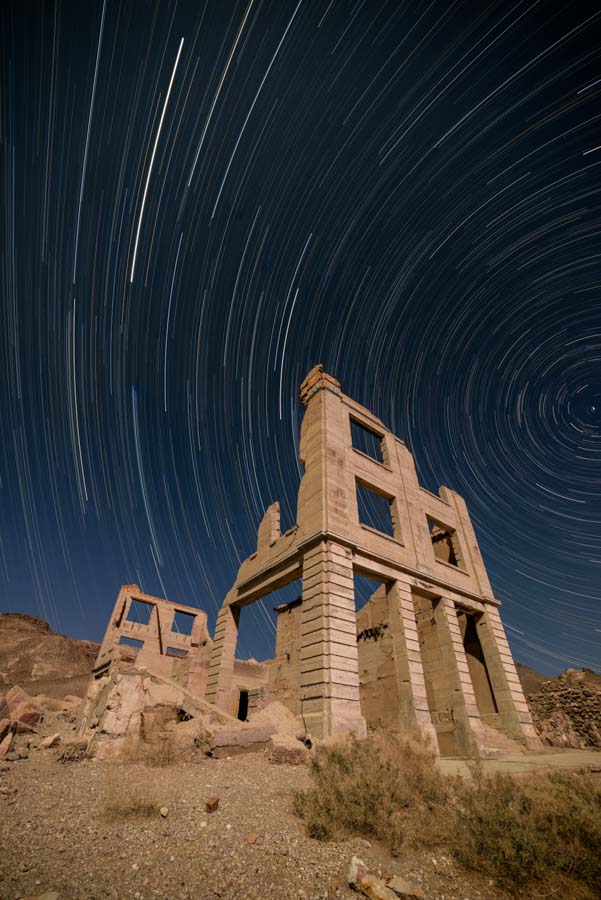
pixel 377 674
pixel 284 669
pixel 249 675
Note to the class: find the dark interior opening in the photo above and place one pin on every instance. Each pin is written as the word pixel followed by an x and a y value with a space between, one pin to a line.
pixel 243 706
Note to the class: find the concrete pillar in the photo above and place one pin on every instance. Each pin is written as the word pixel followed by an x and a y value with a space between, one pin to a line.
pixel 506 685
pixel 329 690
pixel 223 653
pixel 463 700
pixel 413 711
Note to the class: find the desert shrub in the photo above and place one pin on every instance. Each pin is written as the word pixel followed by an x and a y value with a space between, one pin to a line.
pixel 130 807
pixel 529 829
pixel 529 833
pixel 370 787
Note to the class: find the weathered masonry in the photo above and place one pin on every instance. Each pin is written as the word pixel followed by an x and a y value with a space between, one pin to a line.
pixel 172 641
pixel 428 650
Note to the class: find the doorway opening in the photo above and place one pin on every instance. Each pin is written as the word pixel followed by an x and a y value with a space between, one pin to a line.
pixel 243 706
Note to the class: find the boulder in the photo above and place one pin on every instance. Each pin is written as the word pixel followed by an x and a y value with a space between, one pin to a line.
pixel 5 745
pixel 405 889
pixel 288 751
pixel 362 881
pixel 233 741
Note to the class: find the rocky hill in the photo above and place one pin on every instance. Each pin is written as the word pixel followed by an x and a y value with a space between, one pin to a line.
pixel 41 661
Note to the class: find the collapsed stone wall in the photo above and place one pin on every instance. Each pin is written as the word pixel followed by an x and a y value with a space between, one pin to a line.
pixel 567 710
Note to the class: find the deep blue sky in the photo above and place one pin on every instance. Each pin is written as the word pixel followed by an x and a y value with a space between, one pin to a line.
pixel 407 192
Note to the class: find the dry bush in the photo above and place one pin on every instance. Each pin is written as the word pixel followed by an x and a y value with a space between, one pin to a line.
pixel 371 787
pixel 127 799
pixel 540 832
pixel 539 828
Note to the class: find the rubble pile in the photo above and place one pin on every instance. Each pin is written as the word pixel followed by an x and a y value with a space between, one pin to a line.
pixel 131 712
pixel 29 723
pixel 567 710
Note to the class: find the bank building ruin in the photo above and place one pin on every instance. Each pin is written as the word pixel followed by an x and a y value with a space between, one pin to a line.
pixel 427 651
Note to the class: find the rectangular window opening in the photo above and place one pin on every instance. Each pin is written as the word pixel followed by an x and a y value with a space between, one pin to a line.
pixel 365 588
pixel 130 642
pixel 177 651
pixel 183 622
pixel 366 441
pixel 140 612
pixel 444 542
pixel 375 510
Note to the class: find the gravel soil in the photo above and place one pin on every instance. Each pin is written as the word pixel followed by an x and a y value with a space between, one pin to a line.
pixel 70 829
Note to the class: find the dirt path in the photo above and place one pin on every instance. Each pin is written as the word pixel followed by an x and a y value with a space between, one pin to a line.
pixel 57 834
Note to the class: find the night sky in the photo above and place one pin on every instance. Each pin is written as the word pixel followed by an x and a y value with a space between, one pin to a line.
pixel 201 201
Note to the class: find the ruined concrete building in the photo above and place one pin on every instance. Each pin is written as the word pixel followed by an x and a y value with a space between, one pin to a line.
pixel 427 651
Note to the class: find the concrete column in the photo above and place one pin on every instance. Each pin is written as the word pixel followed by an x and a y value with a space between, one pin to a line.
pixel 463 700
pixel 414 711
pixel 223 653
pixel 507 688
pixel 329 690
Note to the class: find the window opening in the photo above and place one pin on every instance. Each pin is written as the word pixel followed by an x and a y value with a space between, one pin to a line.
pixel 366 441
pixel 183 622
pixel 375 509
pixel 444 542
pixel 140 612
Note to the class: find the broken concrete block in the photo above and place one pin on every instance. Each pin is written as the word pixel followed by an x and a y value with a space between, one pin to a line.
pixel 288 752
pixel 233 741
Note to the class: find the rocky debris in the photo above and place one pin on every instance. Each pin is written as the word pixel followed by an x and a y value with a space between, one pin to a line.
pixel 288 751
pixel 567 710
pixel 363 881
pixel 251 838
pixel 52 740
pixel 4 728
pixel 19 708
pixel 164 811
pixel 131 704
pixel 73 751
pixel 212 803
pixel 406 889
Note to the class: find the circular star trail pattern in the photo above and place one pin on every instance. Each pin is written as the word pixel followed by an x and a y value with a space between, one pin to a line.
pixel 202 200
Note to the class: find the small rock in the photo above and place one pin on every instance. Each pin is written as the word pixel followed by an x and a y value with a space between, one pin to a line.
pixel 251 838
pixel 164 811
pixel 135 867
pixel 404 888
pixel 213 803
pixel 11 756
pixel 52 740
pixel 229 827
pixel 361 880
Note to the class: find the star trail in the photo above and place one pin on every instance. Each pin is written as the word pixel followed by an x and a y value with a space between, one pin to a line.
pixel 202 200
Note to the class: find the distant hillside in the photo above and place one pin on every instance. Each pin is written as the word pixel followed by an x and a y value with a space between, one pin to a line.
pixel 38 659
pixel 530 678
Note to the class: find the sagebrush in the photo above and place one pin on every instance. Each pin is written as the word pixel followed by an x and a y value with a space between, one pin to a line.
pixel 542 831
